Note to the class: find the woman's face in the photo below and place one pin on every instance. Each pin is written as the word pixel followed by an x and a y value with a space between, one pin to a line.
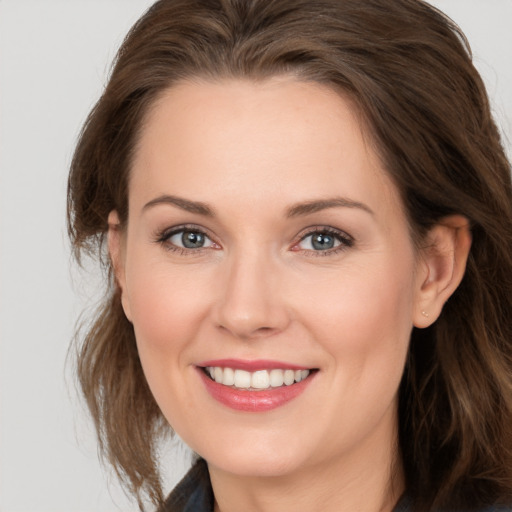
pixel 264 238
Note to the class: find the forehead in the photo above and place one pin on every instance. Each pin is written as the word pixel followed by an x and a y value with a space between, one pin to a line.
pixel 278 138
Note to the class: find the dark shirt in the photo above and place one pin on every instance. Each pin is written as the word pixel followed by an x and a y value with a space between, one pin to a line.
pixel 194 494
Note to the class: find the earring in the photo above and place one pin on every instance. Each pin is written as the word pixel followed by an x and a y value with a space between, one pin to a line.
pixel 425 314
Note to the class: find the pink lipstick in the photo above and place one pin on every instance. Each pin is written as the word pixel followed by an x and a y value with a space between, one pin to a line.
pixel 254 386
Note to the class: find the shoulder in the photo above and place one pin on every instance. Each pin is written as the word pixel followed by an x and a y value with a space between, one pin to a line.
pixel 193 493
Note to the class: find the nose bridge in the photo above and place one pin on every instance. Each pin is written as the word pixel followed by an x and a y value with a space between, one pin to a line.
pixel 250 305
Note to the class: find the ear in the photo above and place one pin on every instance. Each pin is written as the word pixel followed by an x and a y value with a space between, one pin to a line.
pixel 441 267
pixel 116 251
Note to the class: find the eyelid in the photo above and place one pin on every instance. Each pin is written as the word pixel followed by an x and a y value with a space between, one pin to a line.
pixel 162 237
pixel 174 237
pixel 346 240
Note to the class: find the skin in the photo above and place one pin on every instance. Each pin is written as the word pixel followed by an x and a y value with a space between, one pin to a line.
pixel 258 289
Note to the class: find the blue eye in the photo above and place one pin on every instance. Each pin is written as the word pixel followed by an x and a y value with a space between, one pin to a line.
pixel 187 239
pixel 324 241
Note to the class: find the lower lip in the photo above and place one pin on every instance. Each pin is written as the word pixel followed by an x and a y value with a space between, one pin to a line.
pixel 254 401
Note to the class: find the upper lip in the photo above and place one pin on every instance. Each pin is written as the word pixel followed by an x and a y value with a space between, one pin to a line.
pixel 252 365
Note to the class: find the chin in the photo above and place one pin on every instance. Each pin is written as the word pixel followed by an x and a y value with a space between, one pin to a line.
pixel 254 459
pixel 261 467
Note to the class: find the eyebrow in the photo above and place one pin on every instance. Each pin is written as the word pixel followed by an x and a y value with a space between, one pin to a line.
pixel 185 204
pixel 308 207
pixel 297 210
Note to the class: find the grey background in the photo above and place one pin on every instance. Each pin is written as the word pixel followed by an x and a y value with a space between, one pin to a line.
pixel 54 59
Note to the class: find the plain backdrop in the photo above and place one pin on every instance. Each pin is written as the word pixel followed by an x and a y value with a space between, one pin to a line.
pixel 54 60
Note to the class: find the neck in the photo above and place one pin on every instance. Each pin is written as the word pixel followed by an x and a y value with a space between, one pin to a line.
pixel 370 480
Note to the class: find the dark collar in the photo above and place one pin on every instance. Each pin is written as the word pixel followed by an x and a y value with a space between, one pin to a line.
pixel 193 494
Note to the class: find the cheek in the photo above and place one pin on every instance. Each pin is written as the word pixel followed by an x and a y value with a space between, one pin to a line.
pixel 365 320
pixel 364 327
pixel 166 307
pixel 167 311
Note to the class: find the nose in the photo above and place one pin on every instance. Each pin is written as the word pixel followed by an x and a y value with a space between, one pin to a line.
pixel 250 304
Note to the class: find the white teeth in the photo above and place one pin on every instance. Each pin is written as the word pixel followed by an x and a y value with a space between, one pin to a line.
pixel 261 379
pixel 301 375
pixel 229 377
pixel 218 374
pixel 242 379
pixel 276 378
pixel 289 377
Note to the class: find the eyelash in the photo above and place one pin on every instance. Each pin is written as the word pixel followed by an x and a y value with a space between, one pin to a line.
pixel 345 240
pixel 163 237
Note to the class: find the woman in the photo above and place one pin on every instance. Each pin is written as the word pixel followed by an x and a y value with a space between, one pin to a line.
pixel 307 214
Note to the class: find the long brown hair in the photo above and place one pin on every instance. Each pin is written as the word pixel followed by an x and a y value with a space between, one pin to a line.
pixel 408 69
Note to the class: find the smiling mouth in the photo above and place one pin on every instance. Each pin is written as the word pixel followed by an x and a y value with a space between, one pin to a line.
pixel 259 380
